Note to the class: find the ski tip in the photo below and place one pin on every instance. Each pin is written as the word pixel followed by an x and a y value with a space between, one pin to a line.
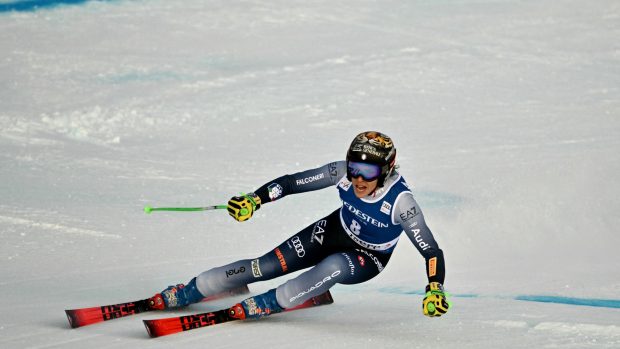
pixel 149 328
pixel 72 319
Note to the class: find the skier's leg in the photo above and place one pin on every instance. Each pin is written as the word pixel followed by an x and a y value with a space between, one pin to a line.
pixel 348 267
pixel 291 255
pixel 296 253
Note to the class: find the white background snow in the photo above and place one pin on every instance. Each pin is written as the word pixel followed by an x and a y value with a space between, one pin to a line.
pixel 505 113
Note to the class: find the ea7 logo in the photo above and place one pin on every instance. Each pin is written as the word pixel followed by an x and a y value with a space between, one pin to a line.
pixel 411 213
pixel 317 232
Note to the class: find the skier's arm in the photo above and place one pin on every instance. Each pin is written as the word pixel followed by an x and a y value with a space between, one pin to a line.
pixel 407 212
pixel 241 208
pixel 301 182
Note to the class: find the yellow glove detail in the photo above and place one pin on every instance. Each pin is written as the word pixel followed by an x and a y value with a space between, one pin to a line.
pixel 243 207
pixel 435 302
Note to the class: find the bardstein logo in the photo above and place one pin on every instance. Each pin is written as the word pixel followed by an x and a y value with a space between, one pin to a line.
pixel 365 217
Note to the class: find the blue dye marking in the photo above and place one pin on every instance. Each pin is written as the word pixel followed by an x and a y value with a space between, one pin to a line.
pixel 591 302
pixel 34 5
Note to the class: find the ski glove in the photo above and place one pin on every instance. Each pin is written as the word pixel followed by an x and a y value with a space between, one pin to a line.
pixel 242 207
pixel 435 302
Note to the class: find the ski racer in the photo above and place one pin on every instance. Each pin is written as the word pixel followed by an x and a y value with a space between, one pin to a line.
pixel 351 245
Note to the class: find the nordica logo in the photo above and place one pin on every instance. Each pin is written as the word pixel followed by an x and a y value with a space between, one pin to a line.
pixel 315 286
pixel 363 216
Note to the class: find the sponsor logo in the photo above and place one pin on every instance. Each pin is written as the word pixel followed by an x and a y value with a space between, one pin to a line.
pixel 411 213
pixel 364 217
pixel 310 179
pixel 281 259
pixel 333 169
pixel 232 272
pixel 252 307
pixel 299 247
pixel 315 286
pixel 190 322
pixel 361 260
pixel 275 191
pixel 119 310
pixel 351 266
pixel 318 231
pixel 386 207
pixel 418 238
pixel 367 149
pixel 372 258
pixel 344 184
pixel 432 266
pixel 256 269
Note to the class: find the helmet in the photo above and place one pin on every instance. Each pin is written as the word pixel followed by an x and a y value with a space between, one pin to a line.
pixel 374 148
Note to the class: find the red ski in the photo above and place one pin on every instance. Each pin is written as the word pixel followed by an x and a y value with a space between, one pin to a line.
pixel 164 327
pixel 88 316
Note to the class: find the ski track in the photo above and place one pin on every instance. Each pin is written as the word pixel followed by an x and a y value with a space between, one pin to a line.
pixel 57 227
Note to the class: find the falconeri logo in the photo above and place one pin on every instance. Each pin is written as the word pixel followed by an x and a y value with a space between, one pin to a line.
pixel 310 179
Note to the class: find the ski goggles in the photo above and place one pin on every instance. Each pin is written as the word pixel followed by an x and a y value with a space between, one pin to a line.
pixel 369 172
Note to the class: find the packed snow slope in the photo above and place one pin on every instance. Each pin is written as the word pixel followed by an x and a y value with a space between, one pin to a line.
pixel 505 113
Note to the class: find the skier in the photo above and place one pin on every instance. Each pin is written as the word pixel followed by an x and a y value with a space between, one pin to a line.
pixel 351 245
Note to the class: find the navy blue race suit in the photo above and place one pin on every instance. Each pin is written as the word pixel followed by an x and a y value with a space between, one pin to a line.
pixel 351 245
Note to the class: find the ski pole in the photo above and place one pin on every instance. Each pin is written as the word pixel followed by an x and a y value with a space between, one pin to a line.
pixel 149 209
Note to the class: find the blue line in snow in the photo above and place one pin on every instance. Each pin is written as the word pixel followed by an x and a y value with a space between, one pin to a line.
pixel 591 302
pixel 34 5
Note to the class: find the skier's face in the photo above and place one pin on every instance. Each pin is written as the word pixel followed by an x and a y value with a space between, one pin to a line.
pixel 362 188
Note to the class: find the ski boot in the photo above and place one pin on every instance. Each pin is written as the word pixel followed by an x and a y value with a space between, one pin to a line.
pixel 256 307
pixel 176 296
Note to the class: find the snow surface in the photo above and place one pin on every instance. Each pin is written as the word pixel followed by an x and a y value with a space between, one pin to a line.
pixel 505 113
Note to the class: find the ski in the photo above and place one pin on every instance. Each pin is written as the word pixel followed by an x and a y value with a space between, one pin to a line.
pixel 88 316
pixel 164 327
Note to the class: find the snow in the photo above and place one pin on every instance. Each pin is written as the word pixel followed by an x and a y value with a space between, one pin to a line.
pixel 505 113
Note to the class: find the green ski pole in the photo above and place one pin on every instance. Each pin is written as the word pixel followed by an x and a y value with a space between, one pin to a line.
pixel 149 209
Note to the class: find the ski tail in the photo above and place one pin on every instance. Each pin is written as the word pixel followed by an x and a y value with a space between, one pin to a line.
pixel 88 316
pixel 167 326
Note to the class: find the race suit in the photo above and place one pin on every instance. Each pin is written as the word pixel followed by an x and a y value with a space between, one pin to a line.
pixel 351 245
